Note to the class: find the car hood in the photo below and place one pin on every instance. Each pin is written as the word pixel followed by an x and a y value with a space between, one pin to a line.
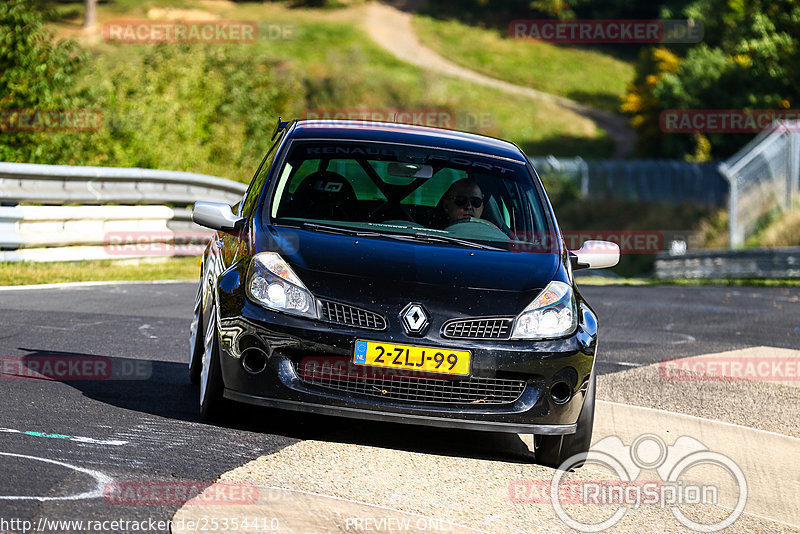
pixel 371 270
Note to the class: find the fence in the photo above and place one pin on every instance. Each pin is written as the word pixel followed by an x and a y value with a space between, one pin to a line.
pixel 152 203
pixel 646 180
pixel 764 177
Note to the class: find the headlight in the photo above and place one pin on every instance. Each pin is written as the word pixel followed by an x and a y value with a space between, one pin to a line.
pixel 273 284
pixel 551 314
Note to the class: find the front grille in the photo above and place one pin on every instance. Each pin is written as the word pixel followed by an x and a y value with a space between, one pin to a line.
pixel 417 390
pixel 481 328
pixel 351 316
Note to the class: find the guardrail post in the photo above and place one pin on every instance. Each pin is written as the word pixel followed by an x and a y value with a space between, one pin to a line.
pixel 584 167
pixel 794 164
pixel 735 240
pixel 10 239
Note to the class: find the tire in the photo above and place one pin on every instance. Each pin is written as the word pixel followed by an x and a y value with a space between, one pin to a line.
pixel 196 341
pixel 212 403
pixel 553 451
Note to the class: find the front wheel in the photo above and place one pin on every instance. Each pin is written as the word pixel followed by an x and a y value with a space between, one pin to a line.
pixel 554 450
pixel 212 403
pixel 196 346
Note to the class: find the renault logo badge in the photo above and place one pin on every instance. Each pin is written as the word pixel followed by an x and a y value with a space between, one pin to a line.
pixel 415 319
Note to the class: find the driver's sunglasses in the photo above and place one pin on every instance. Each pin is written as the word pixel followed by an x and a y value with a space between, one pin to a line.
pixel 461 201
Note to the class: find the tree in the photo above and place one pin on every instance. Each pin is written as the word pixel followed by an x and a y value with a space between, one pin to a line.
pixel 748 60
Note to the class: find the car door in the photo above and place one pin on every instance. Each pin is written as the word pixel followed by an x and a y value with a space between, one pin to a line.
pixel 225 249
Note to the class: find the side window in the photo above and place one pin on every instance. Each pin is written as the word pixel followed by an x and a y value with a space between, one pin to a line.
pixel 237 208
pixel 257 184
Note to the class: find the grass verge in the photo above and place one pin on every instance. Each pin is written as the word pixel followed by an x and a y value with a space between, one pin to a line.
pixel 27 273
pixel 212 107
pixel 586 76
pixel 188 268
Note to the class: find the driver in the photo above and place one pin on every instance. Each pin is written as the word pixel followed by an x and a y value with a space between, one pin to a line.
pixel 462 200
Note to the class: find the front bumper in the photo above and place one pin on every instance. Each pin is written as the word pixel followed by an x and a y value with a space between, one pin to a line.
pixel 286 340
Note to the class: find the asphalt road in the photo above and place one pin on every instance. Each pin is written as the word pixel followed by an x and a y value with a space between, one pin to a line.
pixel 147 428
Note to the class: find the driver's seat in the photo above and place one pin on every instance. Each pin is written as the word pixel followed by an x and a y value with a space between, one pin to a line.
pixel 326 195
pixel 491 212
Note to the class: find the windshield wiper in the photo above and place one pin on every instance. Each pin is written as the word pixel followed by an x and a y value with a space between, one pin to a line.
pixel 338 230
pixel 430 238
pixel 454 240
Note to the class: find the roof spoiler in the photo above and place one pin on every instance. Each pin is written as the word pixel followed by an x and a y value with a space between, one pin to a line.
pixel 282 125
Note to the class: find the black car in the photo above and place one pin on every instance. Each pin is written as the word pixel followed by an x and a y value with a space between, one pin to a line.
pixel 398 273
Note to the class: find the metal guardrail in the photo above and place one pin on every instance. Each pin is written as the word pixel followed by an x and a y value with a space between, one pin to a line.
pixel 61 184
pixel 67 233
pixel 140 223
pixel 747 263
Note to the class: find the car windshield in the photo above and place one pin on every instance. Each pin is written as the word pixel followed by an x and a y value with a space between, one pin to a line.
pixel 409 192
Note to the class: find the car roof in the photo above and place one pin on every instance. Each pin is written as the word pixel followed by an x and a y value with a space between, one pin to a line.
pixel 406 134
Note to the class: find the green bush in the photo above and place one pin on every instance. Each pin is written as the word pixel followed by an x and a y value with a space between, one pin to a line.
pixel 205 109
pixel 36 74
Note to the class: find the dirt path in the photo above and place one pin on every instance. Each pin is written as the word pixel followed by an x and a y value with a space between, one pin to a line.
pixel 392 29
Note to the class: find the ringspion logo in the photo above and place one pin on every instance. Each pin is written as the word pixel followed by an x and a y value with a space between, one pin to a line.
pixel 676 487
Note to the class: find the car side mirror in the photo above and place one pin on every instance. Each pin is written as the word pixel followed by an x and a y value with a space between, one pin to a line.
pixel 595 255
pixel 217 216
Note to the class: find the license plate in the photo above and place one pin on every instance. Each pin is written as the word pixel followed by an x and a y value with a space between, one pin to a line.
pixel 412 358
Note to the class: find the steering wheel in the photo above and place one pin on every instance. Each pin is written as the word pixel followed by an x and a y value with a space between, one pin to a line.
pixel 476 220
pixel 479 221
pixel 473 227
